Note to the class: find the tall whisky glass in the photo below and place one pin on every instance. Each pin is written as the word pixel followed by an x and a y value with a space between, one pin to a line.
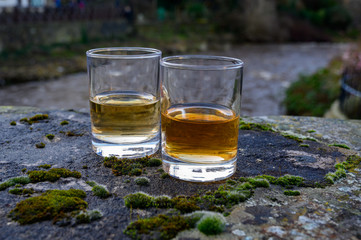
pixel 124 101
pixel 200 109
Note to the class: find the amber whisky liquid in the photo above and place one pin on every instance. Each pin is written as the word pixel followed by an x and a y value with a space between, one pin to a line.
pixel 200 133
pixel 124 116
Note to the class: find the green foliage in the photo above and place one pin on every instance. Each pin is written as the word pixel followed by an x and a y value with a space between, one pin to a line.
pixel 52 175
pixel 211 224
pixel 20 191
pixel 330 14
pixel 12 123
pixel 313 95
pixel 91 183
pixel 291 193
pixel 53 204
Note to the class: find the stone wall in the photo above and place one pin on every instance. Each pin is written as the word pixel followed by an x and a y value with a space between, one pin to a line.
pixel 17 37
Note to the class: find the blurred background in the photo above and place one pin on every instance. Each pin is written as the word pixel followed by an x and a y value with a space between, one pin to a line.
pixel 302 57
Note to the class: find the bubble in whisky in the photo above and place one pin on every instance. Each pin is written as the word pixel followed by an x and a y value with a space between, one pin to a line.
pixel 200 133
pixel 124 116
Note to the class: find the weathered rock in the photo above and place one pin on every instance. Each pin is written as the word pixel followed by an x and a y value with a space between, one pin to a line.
pixel 320 213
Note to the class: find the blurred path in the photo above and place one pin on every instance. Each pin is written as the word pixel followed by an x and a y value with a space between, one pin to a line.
pixel 269 69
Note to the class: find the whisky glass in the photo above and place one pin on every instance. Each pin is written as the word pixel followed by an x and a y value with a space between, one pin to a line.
pixel 200 109
pixel 124 101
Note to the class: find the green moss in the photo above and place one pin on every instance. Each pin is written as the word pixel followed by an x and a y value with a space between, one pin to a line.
pixel 131 167
pixel 38 117
pixel 40 145
pixel 64 122
pixel 142 181
pixel 333 177
pixel 255 126
pixel 50 136
pixel 87 216
pixel 34 119
pixel 19 191
pixel 339 145
pixel 138 200
pixel 12 123
pixel 91 183
pixel 52 175
pixel 166 226
pixel 23 170
pixel 290 136
pixel 154 162
pixel 84 167
pixel 304 145
pixel 349 164
pixel 13 181
pixel 100 191
pixel 231 182
pixel 211 224
pixel 163 202
pixel 45 166
pixel 164 175
pixel 258 182
pixel 73 134
pixel 184 204
pixel 311 131
pixel 53 204
pixel 291 193
pixel 284 181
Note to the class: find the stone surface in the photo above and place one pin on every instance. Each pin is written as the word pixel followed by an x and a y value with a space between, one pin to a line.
pixel 320 213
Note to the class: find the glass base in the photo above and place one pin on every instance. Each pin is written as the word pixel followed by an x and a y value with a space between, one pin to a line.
pixel 133 150
pixel 195 172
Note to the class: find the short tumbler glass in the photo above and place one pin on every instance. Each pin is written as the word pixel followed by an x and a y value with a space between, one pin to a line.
pixel 200 109
pixel 124 101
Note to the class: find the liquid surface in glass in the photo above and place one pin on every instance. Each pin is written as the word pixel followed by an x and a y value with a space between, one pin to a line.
pixel 200 133
pixel 124 116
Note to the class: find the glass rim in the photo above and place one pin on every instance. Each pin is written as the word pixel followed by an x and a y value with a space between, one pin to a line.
pixel 234 63
pixel 148 52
